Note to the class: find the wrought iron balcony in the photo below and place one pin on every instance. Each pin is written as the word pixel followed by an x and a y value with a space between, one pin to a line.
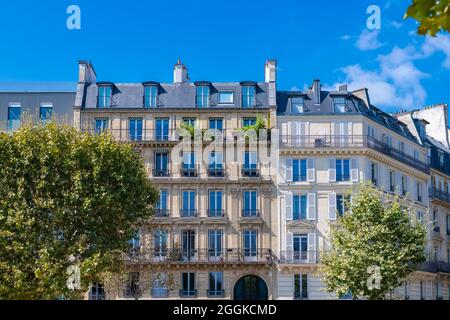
pixel 250 171
pixel 215 293
pixel 434 267
pixel 352 141
pixel 189 171
pixel 216 172
pixel 440 195
pixel 160 173
pixel 187 213
pixel 298 257
pixel 215 213
pixel 213 256
pixel 250 213
pixel 188 293
pixel 161 213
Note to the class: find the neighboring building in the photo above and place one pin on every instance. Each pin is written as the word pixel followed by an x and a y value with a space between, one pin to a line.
pixel 19 106
pixel 329 142
pixel 213 229
pixel 430 125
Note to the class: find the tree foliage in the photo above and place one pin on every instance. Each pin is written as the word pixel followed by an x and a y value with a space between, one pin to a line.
pixel 433 15
pixel 376 231
pixel 66 198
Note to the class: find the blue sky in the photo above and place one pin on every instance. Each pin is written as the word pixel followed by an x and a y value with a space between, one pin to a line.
pixel 133 41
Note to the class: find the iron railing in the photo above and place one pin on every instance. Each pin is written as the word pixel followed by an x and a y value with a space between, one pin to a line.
pixel 440 195
pixel 216 172
pixel 351 141
pixel 215 256
pixel 187 213
pixel 250 213
pixel 161 213
pixel 215 293
pixel 213 213
pixel 298 257
pixel 188 293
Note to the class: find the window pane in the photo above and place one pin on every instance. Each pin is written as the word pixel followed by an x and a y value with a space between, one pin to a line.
pixel 226 97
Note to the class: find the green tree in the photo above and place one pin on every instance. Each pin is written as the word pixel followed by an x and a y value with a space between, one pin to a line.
pixel 376 231
pixel 66 198
pixel 433 15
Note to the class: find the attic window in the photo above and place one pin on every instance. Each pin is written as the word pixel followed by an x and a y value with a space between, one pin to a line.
pixel 150 96
pixel 340 104
pixel 202 96
pixel 248 96
pixel 297 105
pixel 104 96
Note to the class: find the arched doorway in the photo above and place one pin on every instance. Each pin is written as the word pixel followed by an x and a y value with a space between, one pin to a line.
pixel 250 288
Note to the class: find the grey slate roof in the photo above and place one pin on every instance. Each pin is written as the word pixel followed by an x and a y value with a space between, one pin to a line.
pixel 354 105
pixel 180 95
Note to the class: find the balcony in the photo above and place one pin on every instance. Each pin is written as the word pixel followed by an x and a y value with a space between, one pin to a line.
pixel 434 267
pixel 440 195
pixel 189 171
pixel 250 171
pixel 250 213
pixel 354 141
pixel 188 293
pixel 298 257
pixel 216 213
pixel 215 293
pixel 97 296
pixel 188 213
pixel 160 173
pixel 210 256
pixel 161 213
pixel 140 136
pixel 216 172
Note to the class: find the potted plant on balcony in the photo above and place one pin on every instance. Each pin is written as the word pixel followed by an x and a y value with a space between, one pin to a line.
pixel 261 123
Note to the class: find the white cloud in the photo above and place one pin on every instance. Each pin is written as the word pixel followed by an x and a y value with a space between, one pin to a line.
pixel 346 37
pixel 396 24
pixel 396 82
pixel 441 43
pixel 368 40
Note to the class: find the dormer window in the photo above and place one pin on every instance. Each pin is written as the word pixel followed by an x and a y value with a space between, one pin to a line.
pixel 248 95
pixel 226 97
pixel 202 96
pixel 340 104
pixel 150 96
pixel 104 96
pixel 297 105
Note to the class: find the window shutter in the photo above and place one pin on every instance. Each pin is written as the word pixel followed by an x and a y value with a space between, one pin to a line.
pixel 332 206
pixel 289 199
pixel 311 213
pixel 289 246
pixel 311 171
pixel 332 170
pixel 312 247
pixel 284 132
pixel 288 168
pixel 350 130
pixel 354 170
pixel 399 183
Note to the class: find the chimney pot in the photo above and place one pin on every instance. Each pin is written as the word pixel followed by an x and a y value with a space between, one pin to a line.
pixel 270 70
pixel 180 73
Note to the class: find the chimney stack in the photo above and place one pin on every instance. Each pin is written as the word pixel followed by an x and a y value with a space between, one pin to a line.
pixel 316 91
pixel 180 73
pixel 86 72
pixel 342 87
pixel 270 70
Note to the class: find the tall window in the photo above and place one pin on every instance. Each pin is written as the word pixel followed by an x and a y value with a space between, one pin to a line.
pixel 374 173
pixel 97 292
pixel 162 129
pixel 14 111
pixel 150 96
pixel 104 97
pixel 215 284
pixel 419 191
pixel 214 244
pixel 160 243
pixel 161 164
pixel 188 205
pixel 216 123
pixel 301 286
pixel 132 286
pixel 371 131
pixel 188 245
pixel 45 112
pixel 101 124
pixel 135 242
pixel 189 160
pixel 215 203
pixel 392 181
pixel 448 231
pixel 299 207
pixel 342 169
pixel 341 203
pixel 188 284
pixel 250 159
pixel 340 104
pixel 401 146
pixel 135 129
pixel 248 96
pixel 202 97
pixel 298 170
pixel 422 296
pixel 161 205
pixel 250 203
pixel 216 160
pixel 250 244
pixel 297 105
pixel 404 185
pixel 441 158
pixel 300 247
